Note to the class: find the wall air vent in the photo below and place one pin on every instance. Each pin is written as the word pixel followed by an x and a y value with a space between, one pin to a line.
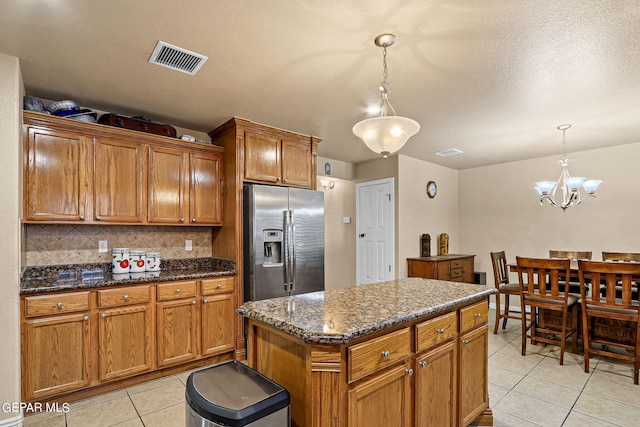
pixel 449 152
pixel 176 58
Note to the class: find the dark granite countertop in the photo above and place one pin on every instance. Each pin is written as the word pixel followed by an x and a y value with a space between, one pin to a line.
pixel 52 278
pixel 338 316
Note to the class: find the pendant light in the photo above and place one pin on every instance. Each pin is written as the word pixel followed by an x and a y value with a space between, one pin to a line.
pixel 386 133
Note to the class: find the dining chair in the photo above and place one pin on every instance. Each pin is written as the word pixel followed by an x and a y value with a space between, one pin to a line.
pixel 574 286
pixel 542 289
pixel 626 308
pixel 501 280
pixel 621 256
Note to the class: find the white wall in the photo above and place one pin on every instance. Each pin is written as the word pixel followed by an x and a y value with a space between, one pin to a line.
pixel 11 91
pixel 418 214
pixel 499 208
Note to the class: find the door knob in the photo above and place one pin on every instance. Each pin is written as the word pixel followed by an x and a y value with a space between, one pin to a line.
pixel 362 235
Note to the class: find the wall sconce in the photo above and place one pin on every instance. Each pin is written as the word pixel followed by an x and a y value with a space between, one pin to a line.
pixel 326 184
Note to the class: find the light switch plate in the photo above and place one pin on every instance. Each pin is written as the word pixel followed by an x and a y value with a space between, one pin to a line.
pixel 188 246
pixel 102 246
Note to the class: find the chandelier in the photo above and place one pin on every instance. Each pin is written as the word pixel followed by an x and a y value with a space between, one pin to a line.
pixel 386 133
pixel 571 194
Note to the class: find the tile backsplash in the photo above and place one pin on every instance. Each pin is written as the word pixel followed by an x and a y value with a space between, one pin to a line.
pixel 78 244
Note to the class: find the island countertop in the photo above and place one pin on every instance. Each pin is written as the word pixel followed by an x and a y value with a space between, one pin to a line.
pixel 338 316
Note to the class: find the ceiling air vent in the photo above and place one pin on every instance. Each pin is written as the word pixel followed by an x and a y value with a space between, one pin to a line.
pixel 176 58
pixel 449 152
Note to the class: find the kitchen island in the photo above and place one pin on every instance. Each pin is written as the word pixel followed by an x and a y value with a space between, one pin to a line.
pixel 405 352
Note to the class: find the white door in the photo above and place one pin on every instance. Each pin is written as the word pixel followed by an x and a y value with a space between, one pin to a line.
pixel 375 235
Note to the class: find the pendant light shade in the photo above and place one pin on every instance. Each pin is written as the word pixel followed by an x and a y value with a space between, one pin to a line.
pixel 386 133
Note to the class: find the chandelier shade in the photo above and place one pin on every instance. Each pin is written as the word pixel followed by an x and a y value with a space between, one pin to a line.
pixel 386 133
pixel 570 185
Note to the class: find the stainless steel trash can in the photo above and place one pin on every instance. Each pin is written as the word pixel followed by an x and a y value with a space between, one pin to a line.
pixel 234 395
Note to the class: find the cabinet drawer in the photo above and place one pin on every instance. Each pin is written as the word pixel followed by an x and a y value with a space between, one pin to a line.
pixel 123 296
pixel 456 273
pixel 176 290
pixel 437 330
pixel 456 263
pixel 56 304
pixel 474 315
pixel 378 353
pixel 217 286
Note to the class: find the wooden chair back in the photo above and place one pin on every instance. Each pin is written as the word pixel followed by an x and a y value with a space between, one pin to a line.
pixel 575 255
pixel 612 276
pixel 544 281
pixel 500 270
pixel 621 256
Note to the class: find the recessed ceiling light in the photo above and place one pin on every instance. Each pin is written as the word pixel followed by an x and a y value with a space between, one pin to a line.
pixel 449 152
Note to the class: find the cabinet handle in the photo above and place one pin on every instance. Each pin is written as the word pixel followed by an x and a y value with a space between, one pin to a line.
pixel 81 217
pixel 219 286
pixel 86 317
pixel 465 342
pixel 59 305
pixel 193 220
pixel 177 291
pixel 193 302
pixel 386 354
pixel 278 179
pixel 409 371
pixel 205 300
pixel 441 331
pixel 181 219
pixel 126 297
pixel 478 315
pixel 423 364
pixel 103 315
pixel 284 180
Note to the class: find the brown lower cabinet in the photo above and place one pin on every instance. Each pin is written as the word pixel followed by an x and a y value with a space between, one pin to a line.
pixel 455 268
pixel 432 372
pixel 138 331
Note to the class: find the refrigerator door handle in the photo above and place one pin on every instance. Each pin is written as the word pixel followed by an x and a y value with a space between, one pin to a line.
pixel 293 251
pixel 285 242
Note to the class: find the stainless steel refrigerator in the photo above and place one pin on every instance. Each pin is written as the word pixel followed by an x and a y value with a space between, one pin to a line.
pixel 283 241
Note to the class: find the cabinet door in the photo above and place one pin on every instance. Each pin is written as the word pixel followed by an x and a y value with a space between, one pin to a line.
pixel 296 163
pixel 473 394
pixel 435 387
pixel 261 157
pixel 119 181
pixel 382 401
pixel 218 326
pixel 177 331
pixel 468 270
pixel 168 190
pixel 55 355
pixel 206 189
pixel 56 174
pixel 444 270
pixel 125 338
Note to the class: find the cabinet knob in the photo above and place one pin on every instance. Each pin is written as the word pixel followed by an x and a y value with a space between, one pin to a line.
pixel 193 302
pixel 177 291
pixel 465 342
pixel 423 364
pixel 409 371
pixel 81 217
pixel 103 315
pixel 59 305
pixel 205 300
pixel 386 354
pixel 193 220
pixel 181 219
pixel 86 317
pixel 284 180
pixel 219 286
pixel 126 297
pixel 441 331
pixel 478 315
pixel 278 179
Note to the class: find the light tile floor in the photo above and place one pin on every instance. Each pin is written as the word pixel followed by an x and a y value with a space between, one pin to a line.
pixel 533 390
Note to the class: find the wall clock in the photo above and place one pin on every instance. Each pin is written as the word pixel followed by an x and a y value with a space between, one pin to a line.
pixel 432 189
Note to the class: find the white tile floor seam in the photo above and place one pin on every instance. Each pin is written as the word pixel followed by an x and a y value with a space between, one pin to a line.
pixel 606 396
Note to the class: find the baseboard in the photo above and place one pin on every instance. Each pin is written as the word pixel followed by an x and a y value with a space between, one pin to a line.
pixel 12 422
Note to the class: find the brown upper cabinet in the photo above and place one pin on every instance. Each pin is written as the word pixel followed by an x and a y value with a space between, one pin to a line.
pixel 87 173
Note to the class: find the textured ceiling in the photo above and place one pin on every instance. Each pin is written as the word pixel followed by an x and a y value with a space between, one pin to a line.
pixel 491 78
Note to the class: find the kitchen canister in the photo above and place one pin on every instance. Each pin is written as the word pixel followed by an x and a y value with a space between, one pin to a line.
pixel 153 261
pixel 136 261
pixel 120 260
